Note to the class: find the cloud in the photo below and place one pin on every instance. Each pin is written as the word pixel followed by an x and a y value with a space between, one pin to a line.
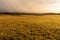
pixel 37 6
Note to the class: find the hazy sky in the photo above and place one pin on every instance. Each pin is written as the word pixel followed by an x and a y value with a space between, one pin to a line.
pixel 36 6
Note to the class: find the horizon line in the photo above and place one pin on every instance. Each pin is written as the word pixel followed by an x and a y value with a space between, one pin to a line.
pixel 10 13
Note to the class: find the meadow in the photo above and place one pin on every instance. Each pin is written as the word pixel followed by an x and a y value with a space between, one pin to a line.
pixel 30 27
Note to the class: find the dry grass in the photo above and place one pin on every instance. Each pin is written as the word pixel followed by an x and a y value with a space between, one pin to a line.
pixel 30 27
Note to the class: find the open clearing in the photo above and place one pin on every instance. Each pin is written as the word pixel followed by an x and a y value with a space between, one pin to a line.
pixel 30 27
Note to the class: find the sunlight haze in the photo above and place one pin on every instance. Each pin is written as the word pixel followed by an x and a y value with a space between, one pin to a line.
pixel 30 6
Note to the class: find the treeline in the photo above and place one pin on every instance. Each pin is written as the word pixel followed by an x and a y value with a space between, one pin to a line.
pixel 9 13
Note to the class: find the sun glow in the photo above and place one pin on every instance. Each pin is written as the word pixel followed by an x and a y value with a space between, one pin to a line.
pixel 54 8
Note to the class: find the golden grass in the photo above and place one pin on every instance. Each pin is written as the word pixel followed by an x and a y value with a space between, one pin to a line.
pixel 30 27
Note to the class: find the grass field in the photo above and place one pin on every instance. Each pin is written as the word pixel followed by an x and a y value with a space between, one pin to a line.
pixel 30 27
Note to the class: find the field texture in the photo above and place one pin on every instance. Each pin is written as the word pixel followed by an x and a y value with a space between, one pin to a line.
pixel 30 27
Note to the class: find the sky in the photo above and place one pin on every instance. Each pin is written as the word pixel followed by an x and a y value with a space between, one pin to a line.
pixel 30 6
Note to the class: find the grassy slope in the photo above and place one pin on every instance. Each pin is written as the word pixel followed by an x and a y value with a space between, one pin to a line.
pixel 30 27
